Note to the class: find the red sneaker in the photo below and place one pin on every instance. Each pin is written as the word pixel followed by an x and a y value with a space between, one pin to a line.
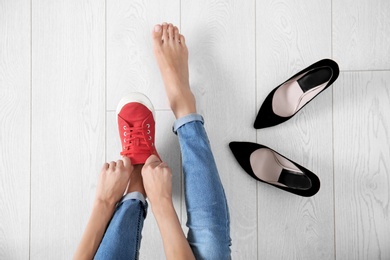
pixel 136 127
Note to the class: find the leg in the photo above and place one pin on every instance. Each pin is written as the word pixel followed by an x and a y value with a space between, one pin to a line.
pixel 207 210
pixel 122 239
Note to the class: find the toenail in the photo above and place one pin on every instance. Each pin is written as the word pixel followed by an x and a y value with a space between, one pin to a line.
pixel 157 28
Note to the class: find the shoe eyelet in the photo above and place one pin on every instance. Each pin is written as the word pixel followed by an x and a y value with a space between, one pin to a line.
pixel 148 125
pixel 150 138
pixel 148 132
pixel 124 134
pixel 124 140
pixel 124 127
pixel 152 144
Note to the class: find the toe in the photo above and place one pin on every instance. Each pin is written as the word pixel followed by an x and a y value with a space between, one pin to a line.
pixel 157 34
pixel 165 32
pixel 170 31
pixel 182 40
pixel 176 33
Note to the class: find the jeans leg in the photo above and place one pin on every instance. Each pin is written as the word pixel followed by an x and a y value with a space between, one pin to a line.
pixel 122 238
pixel 207 209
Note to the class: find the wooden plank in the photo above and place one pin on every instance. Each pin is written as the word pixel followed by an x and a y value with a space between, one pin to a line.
pixel 222 75
pixel 362 156
pixel 15 135
pixel 169 150
pixel 68 125
pixel 290 37
pixel 130 62
pixel 361 34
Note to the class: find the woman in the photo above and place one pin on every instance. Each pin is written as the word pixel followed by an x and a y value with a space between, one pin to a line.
pixel 114 229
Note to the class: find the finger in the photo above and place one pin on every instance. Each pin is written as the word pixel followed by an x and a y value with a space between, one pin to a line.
pixel 126 161
pixel 153 160
pixel 127 164
pixel 112 165
pixel 119 163
pixel 105 166
pixel 163 165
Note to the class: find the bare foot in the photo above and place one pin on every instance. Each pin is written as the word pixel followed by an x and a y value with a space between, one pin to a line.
pixel 171 54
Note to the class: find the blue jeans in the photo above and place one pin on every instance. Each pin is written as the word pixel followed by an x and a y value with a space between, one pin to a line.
pixel 207 209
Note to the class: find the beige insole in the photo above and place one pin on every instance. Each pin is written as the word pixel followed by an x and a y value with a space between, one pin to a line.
pixel 268 165
pixel 289 97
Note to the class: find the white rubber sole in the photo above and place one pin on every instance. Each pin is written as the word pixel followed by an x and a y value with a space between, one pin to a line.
pixel 135 97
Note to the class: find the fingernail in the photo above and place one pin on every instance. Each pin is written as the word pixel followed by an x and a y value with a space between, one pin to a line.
pixel 157 28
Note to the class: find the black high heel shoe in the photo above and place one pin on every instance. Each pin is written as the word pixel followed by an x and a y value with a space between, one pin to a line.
pixel 268 166
pixel 291 96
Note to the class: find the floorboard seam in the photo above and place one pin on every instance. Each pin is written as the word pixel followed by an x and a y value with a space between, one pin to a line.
pixel 31 136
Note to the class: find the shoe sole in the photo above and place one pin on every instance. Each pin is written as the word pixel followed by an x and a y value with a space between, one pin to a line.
pixel 138 98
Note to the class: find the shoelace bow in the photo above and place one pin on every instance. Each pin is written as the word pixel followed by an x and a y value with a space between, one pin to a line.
pixel 131 135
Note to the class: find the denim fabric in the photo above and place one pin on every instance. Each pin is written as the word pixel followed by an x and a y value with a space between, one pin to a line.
pixel 122 239
pixel 186 119
pixel 207 210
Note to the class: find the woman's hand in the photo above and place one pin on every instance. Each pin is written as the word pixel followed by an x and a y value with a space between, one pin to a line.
pixel 112 183
pixel 157 177
pixel 113 180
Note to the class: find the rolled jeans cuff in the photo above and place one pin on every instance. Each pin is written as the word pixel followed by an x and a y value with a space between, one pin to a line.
pixel 186 119
pixel 135 195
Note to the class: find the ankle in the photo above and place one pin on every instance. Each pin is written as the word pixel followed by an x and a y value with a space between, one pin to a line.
pixel 136 182
pixel 183 104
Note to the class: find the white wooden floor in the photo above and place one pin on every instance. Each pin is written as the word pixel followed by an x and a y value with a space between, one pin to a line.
pixel 64 65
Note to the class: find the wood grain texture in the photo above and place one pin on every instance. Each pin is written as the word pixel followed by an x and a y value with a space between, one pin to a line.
pixel 222 75
pixel 15 135
pixel 169 150
pixel 289 37
pixel 361 34
pixel 239 51
pixel 362 156
pixel 68 121
pixel 130 62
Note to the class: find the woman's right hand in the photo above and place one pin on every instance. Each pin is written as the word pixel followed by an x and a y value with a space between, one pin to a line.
pixel 113 180
pixel 157 178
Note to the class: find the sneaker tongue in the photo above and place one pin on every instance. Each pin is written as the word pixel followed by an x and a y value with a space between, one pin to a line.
pixel 123 121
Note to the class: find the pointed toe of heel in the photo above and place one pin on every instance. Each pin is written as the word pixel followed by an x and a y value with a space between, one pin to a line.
pixel 266 116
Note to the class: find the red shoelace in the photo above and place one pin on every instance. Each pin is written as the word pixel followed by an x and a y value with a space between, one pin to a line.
pixel 134 140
